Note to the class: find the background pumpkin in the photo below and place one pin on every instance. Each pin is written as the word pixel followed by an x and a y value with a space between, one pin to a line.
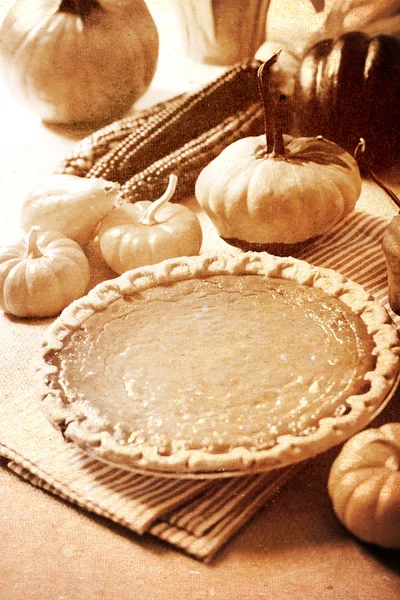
pixel 340 70
pixel 350 88
pixel 79 60
pixel 321 19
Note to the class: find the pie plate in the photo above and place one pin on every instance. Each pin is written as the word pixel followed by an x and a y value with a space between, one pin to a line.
pixel 215 365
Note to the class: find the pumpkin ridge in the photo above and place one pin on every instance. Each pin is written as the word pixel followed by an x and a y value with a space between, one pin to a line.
pixel 349 510
pixel 384 501
pixel 391 445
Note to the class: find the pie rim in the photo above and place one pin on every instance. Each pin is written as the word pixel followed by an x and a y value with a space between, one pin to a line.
pixel 90 433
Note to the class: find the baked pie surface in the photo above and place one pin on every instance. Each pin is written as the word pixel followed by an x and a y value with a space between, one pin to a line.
pixel 210 365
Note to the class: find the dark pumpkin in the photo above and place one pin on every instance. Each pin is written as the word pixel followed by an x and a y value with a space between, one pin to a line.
pixel 350 88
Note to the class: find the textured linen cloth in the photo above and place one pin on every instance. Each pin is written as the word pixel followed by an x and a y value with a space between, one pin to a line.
pixel 197 516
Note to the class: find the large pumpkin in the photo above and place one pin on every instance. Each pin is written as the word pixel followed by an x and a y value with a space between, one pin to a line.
pixel 79 60
pixel 350 88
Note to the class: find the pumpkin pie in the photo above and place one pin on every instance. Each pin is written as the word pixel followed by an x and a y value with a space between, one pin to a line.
pixel 215 365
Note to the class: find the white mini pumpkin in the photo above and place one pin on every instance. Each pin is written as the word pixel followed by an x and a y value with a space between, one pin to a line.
pixel 42 275
pixel 145 233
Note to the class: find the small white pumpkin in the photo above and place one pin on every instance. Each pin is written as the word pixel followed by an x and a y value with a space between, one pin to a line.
pixel 42 275
pixel 145 233
pixel 364 485
pixel 277 189
pixel 71 205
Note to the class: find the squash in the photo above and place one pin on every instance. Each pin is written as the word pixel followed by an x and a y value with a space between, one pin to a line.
pixel 349 88
pixel 79 61
pixel 69 204
pixel 42 275
pixel 145 233
pixel 282 192
pixel 391 237
pixel 364 485
pixel 391 250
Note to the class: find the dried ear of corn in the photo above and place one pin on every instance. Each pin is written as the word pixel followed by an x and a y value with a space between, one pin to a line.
pixel 182 135
pixel 188 160
pixel 96 146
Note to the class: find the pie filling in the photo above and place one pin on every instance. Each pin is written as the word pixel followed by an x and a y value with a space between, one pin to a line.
pixel 220 362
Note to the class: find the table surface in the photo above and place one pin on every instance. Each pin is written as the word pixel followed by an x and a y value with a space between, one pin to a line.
pixel 293 548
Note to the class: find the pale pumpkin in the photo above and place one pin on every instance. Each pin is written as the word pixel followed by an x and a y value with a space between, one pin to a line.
pixel 145 233
pixel 364 485
pixel 42 275
pixel 71 205
pixel 276 189
pixel 83 61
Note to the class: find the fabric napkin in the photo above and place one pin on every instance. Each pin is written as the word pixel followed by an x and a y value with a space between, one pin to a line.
pixel 197 516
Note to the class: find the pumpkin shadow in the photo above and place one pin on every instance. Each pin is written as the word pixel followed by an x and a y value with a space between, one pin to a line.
pixel 74 131
pixel 389 558
pixel 277 249
pixel 77 131
pixel 31 321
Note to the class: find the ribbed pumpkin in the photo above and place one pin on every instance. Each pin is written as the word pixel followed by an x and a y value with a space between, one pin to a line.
pixel 350 88
pixel 79 60
pixel 145 233
pixel 278 189
pixel 42 275
pixel 364 485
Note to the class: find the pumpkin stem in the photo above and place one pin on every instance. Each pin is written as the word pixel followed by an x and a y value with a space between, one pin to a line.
pixel 81 8
pixel 360 157
pixel 149 217
pixel 33 248
pixel 275 146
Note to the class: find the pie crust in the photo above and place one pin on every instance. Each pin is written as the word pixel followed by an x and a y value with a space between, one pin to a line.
pixel 214 365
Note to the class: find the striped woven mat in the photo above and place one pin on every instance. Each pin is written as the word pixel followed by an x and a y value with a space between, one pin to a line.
pixel 198 517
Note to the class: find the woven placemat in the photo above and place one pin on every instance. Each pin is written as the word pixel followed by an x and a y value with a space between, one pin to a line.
pixel 198 516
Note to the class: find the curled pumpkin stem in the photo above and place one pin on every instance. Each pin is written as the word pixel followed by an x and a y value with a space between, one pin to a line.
pixel 359 155
pixel 149 217
pixel 275 146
